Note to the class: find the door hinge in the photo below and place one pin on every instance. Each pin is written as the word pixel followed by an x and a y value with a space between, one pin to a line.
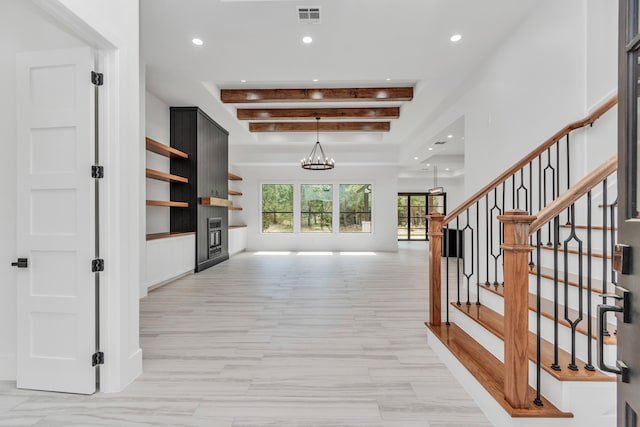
pixel 97 265
pixel 97 358
pixel 97 172
pixel 97 78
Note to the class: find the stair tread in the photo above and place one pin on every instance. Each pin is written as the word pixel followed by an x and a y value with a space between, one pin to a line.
pixel 546 308
pixel 547 273
pixel 489 371
pixel 575 251
pixel 494 323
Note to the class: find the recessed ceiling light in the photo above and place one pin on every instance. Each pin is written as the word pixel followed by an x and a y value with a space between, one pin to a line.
pixel 430 148
pixel 456 38
pixel 428 164
pixel 449 136
pixel 243 81
pixel 415 158
pixel 197 42
pixel 307 39
pixel 315 80
pixel 446 169
pixel 388 79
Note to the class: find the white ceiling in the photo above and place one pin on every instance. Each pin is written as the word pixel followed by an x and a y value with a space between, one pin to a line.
pixel 359 43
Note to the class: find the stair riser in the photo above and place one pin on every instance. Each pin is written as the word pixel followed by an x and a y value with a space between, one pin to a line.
pixel 594 398
pixel 596 237
pixel 547 292
pixel 546 257
pixel 496 303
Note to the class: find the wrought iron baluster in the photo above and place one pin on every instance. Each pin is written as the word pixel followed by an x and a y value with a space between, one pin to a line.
pixel 604 248
pixel 458 257
pixel 556 238
pixel 486 212
pixel 572 323
pixel 494 212
pixel 478 252
pixel 513 191
pixel 553 186
pixel 501 232
pixel 469 274
pixel 557 193
pixel 589 365
pixel 530 209
pixel 612 220
pixel 604 239
pixel 446 239
pixel 568 177
pixel 538 400
pixel 526 192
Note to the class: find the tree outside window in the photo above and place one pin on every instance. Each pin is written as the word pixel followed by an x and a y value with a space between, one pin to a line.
pixel 277 208
pixel 355 208
pixel 316 208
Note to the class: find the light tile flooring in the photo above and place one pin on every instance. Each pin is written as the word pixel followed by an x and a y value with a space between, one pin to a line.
pixel 278 340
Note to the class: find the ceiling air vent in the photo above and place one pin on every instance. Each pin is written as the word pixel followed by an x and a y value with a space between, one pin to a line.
pixel 309 15
pixel 440 142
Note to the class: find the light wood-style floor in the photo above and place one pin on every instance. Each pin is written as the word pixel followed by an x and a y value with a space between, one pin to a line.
pixel 278 340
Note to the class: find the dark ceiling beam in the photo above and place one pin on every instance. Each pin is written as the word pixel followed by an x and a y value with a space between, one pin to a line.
pixel 312 113
pixel 324 126
pixel 238 96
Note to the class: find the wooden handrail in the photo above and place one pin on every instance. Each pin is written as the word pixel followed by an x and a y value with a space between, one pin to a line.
pixel 574 193
pixel 596 114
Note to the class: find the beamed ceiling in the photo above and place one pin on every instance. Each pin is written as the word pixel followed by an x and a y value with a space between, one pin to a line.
pixel 365 114
pixel 376 73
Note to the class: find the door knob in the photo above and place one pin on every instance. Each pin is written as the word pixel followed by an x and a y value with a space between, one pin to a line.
pixel 21 263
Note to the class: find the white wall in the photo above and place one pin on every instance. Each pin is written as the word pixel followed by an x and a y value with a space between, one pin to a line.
pixel 553 70
pixel 384 207
pixel 18 19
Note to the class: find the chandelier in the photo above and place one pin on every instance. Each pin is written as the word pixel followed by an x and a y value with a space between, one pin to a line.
pixel 317 160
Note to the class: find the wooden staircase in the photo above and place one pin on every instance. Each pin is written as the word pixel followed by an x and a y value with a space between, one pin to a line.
pixel 518 324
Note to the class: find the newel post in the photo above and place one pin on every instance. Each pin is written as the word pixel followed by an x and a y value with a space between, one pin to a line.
pixel 435 273
pixel 516 305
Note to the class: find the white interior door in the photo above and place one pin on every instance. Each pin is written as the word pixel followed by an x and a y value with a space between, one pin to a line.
pixel 56 294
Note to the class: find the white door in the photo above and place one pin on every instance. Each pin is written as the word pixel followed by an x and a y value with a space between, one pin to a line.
pixel 56 294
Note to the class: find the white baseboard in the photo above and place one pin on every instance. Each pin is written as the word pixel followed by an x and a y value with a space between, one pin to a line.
pixel 167 281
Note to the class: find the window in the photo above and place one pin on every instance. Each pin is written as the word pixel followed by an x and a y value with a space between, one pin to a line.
pixel 355 208
pixel 316 208
pixel 277 208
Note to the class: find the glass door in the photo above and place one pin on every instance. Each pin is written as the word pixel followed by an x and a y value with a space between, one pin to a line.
pixel 412 216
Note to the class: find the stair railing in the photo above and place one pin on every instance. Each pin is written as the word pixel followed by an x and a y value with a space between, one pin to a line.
pixel 529 185
pixel 578 201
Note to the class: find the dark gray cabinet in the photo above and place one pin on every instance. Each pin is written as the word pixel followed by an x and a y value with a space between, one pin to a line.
pixel 206 142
